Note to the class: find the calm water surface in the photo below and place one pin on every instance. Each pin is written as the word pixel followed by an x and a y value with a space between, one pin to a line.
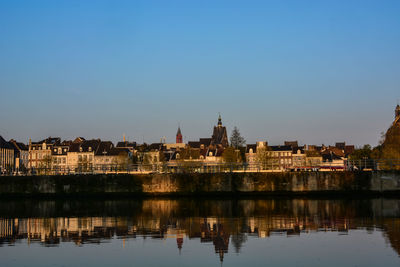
pixel 186 232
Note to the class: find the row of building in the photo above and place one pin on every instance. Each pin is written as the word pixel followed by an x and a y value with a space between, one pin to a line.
pixel 95 155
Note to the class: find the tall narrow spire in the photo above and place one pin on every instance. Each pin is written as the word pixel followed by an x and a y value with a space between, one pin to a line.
pixel 179 136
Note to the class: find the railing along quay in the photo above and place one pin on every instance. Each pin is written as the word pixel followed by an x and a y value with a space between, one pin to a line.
pixel 201 167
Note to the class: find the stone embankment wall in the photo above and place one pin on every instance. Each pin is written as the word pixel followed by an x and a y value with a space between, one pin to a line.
pixel 202 184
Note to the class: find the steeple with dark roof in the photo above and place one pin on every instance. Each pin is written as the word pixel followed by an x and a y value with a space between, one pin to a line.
pixel 220 136
pixel 397 111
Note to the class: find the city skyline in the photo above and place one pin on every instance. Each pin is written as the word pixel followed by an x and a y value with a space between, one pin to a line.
pixel 310 71
pixel 169 138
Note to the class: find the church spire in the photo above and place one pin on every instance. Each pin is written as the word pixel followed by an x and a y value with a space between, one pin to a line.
pixel 219 120
pixel 397 111
pixel 179 136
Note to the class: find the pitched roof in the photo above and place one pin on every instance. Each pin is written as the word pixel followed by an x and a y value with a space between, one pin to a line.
pixel 66 143
pixel 104 148
pixel 91 144
pixel 333 150
pixel 115 151
pixel 281 148
pixel 291 143
pixel 74 147
pixel 5 144
pixel 18 145
pixel 194 144
pixel 79 140
pixel 156 146
pixel 126 144
pixel 85 146
pixel 49 141
pixel 205 141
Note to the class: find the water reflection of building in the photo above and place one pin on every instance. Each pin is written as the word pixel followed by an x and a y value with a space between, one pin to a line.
pixel 218 231
pixel 162 219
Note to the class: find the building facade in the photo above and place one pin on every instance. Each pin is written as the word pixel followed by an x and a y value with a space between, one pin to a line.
pixel 80 157
pixel 21 155
pixel 59 157
pixel 40 153
pixel 7 162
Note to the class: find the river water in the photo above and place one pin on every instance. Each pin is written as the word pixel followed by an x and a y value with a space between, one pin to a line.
pixel 198 232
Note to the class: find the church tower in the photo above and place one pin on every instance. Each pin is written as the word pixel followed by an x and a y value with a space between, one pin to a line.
pixel 219 136
pixel 397 111
pixel 179 136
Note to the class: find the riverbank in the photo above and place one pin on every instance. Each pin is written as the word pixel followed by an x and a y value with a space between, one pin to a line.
pixel 219 184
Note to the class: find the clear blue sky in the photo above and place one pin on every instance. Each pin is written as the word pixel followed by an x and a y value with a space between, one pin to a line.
pixel 315 71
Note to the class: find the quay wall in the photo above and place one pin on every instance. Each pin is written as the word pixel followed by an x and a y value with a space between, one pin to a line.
pixel 285 183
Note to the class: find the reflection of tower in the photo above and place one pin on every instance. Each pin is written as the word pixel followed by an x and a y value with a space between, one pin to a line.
pixel 179 136
pixel 179 242
pixel 221 241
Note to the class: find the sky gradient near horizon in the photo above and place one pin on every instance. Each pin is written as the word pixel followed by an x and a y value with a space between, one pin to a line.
pixel 313 71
